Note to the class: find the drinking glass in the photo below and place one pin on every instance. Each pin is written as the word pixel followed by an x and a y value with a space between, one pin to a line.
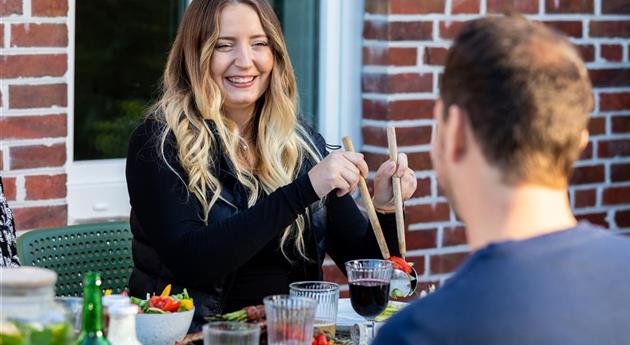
pixel 289 319
pixel 327 296
pixel 231 333
pixel 369 287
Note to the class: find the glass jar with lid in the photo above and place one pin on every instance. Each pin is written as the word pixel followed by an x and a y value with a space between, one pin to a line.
pixel 28 311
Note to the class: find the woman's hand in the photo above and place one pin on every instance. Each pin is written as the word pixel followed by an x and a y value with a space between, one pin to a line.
pixel 339 170
pixel 383 192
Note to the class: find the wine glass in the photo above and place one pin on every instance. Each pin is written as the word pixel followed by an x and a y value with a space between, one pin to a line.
pixel 369 287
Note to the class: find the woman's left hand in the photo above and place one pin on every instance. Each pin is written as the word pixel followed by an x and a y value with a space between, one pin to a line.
pixel 383 192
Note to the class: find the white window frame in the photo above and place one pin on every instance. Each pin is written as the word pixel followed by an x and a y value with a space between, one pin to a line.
pixel 97 189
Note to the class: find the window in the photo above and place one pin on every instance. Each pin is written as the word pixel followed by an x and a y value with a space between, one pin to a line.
pixel 120 50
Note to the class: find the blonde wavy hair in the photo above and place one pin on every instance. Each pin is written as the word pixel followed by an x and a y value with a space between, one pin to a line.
pixel 190 96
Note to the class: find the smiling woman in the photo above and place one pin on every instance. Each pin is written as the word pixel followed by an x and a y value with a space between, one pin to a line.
pixel 233 196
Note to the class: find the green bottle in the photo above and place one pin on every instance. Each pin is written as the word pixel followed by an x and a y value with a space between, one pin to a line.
pixel 92 329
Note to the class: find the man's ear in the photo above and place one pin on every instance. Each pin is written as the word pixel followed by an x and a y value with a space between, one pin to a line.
pixel 584 139
pixel 457 133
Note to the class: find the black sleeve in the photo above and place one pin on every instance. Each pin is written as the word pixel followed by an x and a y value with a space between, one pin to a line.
pixel 193 251
pixel 349 234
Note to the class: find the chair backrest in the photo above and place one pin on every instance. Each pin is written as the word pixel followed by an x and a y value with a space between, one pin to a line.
pixel 70 251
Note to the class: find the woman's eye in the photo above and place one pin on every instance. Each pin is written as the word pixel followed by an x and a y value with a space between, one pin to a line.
pixel 261 44
pixel 222 46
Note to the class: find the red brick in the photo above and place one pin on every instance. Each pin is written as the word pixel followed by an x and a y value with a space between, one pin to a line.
pixel 620 124
pixel 333 274
pixel 1 35
pixel 416 6
pixel 614 101
pixel 449 29
pixel 598 218
pixel 40 217
pixel 423 189
pixel 38 96
pixel 39 35
pixel 9 7
pixel 405 136
pixel 454 236
pixel 622 218
pixel 569 28
pixel 610 77
pixel 613 148
pixel 397 83
pixel 587 52
pixel 597 125
pixel 612 52
pixel 419 161
pixel 585 198
pixel 15 66
pixel 376 6
pixel 390 56
pixel 616 195
pixel 45 187
pixel 37 156
pixel 398 110
pixel 374 160
pixel 568 6
pixel 428 213
pixel 446 263
pixel 418 263
pixel 587 153
pixel 503 6
pixel 421 239
pixel 435 56
pixel 1 160
pixel 49 8
pixel 615 7
pixel 609 29
pixel 398 31
pixel 588 174
pixel 33 127
pixel 620 172
pixel 10 188
pixel 465 6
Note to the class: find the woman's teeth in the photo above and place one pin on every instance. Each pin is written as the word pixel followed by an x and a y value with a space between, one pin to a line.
pixel 240 80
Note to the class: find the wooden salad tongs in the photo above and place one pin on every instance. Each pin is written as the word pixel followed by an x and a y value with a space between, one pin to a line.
pixel 402 284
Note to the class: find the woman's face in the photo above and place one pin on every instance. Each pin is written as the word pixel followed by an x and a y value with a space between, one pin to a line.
pixel 242 58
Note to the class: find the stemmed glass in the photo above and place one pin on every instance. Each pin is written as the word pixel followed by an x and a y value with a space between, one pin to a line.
pixel 369 287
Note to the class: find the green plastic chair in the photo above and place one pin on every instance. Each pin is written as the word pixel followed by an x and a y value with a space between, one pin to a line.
pixel 70 251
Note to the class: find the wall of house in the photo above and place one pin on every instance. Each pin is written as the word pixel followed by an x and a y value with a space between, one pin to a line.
pixel 404 47
pixel 33 105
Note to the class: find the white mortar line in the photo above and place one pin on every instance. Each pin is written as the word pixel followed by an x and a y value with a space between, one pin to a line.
pixel 33 51
pixel 448 7
pixel 34 171
pixel 33 20
pixel 26 8
pixel 20 188
pixel 397 124
pixel 31 142
pixel 426 200
pixel 438 251
pixel 391 70
pixel 39 203
pixel 465 17
pixel 6 159
pixel 35 80
pixel 7 35
pixel 597 7
pixel 401 149
pixel 34 112
pixel 541 7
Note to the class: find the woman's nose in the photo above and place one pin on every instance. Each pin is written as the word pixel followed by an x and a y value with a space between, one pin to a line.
pixel 243 57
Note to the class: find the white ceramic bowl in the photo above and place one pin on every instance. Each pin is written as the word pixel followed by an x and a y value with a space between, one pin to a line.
pixel 163 329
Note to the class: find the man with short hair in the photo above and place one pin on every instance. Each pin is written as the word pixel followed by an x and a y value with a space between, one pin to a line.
pixel 511 120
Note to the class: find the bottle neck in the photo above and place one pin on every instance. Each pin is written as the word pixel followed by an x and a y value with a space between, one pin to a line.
pixel 122 329
pixel 92 311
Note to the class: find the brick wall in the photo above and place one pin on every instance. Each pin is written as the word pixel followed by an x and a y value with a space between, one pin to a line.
pixel 33 109
pixel 404 48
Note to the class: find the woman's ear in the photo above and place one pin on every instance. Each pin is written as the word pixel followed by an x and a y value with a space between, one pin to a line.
pixel 584 139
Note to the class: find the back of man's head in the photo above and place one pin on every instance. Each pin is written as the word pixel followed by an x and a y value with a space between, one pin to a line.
pixel 526 93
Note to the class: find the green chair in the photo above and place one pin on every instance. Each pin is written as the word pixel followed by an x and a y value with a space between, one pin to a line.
pixel 70 251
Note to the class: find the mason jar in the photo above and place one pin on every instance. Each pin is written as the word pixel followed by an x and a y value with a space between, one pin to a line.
pixel 28 311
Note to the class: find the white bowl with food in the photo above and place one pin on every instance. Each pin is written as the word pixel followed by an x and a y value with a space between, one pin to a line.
pixel 163 329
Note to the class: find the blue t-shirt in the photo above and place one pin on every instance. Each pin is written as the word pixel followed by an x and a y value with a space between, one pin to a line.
pixel 568 287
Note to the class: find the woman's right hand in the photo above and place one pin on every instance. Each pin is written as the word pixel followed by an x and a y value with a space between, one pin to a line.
pixel 340 171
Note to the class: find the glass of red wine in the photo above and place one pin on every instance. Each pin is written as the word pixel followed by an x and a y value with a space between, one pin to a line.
pixel 369 287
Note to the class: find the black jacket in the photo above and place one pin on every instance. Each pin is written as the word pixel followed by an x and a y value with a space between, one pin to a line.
pixel 172 244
